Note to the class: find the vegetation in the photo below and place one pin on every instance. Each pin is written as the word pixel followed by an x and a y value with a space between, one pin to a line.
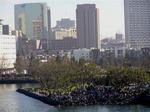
pixel 120 77
pixel 2 64
pixel 20 65
pixel 56 75
pixel 72 83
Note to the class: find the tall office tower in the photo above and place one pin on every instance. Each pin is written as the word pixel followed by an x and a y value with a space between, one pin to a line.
pixel 137 23
pixel 49 24
pixel 34 20
pixel 87 17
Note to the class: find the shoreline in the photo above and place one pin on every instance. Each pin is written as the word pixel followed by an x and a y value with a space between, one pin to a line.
pixel 17 81
pixel 143 100
pixel 43 99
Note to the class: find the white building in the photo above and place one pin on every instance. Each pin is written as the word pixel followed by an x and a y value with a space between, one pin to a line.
pixel 137 23
pixel 7 51
pixel 81 54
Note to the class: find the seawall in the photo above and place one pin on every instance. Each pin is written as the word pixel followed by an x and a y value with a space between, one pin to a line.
pixel 17 81
pixel 43 99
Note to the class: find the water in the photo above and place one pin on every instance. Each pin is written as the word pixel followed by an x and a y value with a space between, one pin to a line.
pixel 11 101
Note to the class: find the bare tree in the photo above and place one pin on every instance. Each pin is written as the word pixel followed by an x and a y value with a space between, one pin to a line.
pixel 3 65
pixel 20 64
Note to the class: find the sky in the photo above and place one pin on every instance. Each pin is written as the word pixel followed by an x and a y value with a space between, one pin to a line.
pixel 111 13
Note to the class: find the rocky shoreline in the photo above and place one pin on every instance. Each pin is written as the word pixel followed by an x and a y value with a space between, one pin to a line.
pixel 43 99
pixel 91 95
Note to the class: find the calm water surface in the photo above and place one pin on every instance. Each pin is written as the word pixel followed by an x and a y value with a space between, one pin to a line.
pixel 11 101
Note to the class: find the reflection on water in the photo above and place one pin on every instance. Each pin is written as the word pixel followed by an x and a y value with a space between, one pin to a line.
pixel 136 108
pixel 13 87
pixel 11 101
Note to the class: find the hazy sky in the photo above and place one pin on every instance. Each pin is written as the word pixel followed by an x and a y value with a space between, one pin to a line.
pixel 111 12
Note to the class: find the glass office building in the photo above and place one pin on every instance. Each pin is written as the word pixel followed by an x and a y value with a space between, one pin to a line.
pixel 33 19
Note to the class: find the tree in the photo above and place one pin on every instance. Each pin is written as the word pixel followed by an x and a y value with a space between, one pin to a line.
pixel 20 65
pixel 3 64
pixel 119 77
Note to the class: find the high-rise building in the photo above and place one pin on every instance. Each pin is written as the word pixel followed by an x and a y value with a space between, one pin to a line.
pixel 137 23
pixel 7 48
pixel 49 24
pixel 7 51
pixel 34 20
pixel 87 19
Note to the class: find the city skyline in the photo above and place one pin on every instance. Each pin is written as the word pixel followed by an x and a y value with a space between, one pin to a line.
pixel 111 12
